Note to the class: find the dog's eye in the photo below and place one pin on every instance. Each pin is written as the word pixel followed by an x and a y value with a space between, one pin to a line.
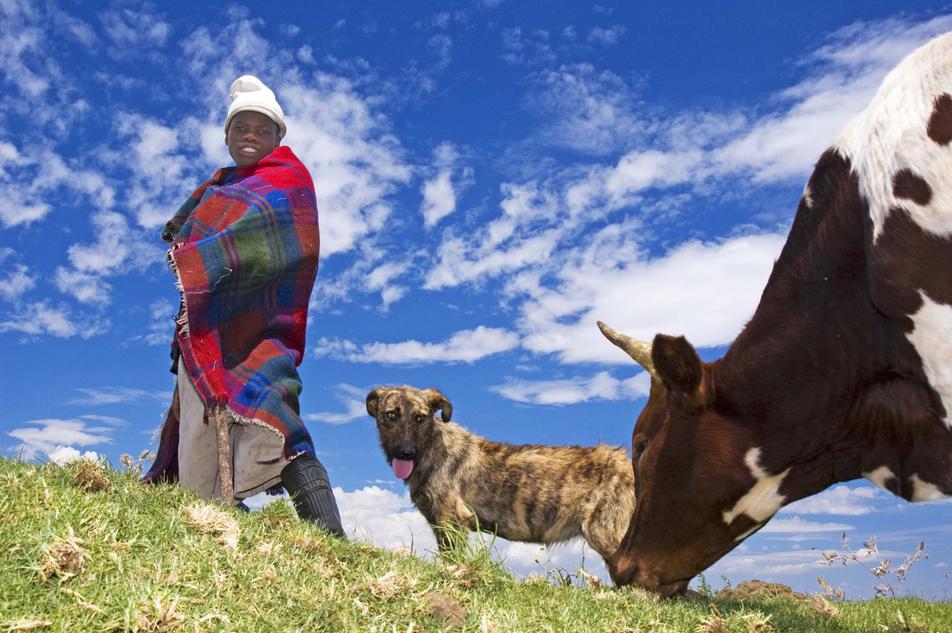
pixel 391 415
pixel 420 417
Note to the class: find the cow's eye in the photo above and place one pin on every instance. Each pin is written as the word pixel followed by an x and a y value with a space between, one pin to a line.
pixel 640 445
pixel 391 415
pixel 420 418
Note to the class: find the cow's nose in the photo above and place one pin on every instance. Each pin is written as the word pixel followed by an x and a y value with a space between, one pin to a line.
pixel 622 571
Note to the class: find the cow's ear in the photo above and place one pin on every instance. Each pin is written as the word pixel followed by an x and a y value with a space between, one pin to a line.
pixel 373 399
pixel 437 400
pixel 678 365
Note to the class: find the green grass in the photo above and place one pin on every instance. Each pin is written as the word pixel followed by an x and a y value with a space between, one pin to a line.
pixel 91 549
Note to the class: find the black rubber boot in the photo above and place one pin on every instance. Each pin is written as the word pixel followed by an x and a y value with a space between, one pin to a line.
pixel 310 489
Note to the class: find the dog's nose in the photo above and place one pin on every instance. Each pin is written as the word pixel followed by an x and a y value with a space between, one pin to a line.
pixel 406 452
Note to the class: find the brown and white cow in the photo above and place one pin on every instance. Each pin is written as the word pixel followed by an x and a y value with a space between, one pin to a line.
pixel 845 369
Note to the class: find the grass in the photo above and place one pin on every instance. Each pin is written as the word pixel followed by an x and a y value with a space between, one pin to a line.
pixel 88 548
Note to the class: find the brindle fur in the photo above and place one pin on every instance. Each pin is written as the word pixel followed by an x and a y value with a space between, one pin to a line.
pixel 533 493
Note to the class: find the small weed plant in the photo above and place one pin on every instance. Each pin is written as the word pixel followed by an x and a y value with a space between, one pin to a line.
pixel 868 557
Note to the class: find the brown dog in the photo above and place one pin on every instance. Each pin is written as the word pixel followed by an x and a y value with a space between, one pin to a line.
pixel 538 494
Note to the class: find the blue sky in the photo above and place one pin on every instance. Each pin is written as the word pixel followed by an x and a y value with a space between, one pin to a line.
pixel 492 178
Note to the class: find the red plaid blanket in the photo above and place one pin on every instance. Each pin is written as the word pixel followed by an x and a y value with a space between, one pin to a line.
pixel 245 252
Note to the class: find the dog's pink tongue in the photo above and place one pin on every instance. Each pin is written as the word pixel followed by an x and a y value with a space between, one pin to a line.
pixel 402 468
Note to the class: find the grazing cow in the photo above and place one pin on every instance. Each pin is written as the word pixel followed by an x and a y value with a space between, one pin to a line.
pixel 845 369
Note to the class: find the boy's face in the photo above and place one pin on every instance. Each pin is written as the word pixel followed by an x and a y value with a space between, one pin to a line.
pixel 251 136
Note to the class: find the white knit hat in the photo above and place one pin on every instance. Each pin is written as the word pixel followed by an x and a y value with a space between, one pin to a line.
pixel 249 93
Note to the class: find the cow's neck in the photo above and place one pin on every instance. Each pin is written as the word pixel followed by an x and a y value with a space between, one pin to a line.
pixel 818 368
pixel 798 354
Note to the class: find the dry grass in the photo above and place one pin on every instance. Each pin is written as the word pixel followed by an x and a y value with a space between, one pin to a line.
pixel 89 475
pixel 27 624
pixel 208 519
pixel 823 606
pixel 387 586
pixel 714 623
pixel 63 558
pixel 759 589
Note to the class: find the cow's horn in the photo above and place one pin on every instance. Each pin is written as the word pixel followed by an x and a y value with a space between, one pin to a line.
pixel 638 350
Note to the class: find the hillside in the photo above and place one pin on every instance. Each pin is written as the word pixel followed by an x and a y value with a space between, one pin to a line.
pixel 87 548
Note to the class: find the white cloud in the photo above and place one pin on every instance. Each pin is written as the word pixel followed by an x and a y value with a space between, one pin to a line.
pixel 355 408
pixel 63 455
pixel 524 47
pixel 16 283
pixel 765 564
pixel 135 29
pixel 162 322
pixel 48 435
pixel 21 46
pixel 74 27
pixel 111 249
pixel 796 525
pixel 162 172
pixel 442 45
pixel 840 499
pixel 587 110
pixel 381 279
pixel 118 249
pixel 84 287
pixel 355 161
pixel 458 262
pixel 705 291
pixel 117 395
pixel 601 386
pixel 40 317
pixel 439 193
pixel 30 176
pixel 787 142
pixel 384 518
pixel 463 346
pixel 609 35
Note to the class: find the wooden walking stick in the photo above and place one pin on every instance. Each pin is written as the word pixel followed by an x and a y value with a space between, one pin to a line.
pixel 224 455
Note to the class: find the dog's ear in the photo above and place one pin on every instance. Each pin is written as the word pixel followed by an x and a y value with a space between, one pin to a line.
pixel 437 400
pixel 373 399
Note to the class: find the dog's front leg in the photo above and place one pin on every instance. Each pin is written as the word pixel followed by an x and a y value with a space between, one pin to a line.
pixel 444 535
pixel 456 521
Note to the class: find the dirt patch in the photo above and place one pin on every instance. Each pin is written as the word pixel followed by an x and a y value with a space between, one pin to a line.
pixel 444 608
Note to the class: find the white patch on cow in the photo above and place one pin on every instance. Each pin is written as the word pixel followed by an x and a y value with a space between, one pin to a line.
pixel 762 501
pixel 890 135
pixel 807 196
pixel 923 490
pixel 880 476
pixel 931 337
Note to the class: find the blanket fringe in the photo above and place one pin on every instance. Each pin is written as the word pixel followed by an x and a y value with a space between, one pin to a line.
pixel 182 321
